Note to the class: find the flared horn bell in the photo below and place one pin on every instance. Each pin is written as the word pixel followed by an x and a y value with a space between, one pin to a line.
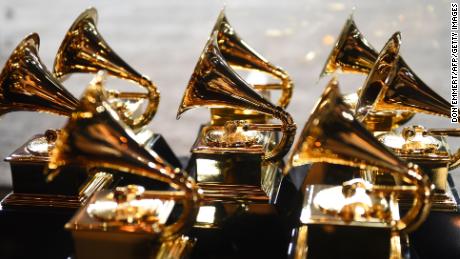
pixel 333 135
pixel 94 136
pixel 83 50
pixel 239 54
pixel 215 84
pixel 351 53
pixel 391 86
pixel 27 85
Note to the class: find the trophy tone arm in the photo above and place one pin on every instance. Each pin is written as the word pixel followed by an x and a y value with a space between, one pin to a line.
pixel 286 86
pixel 455 158
pixel 421 204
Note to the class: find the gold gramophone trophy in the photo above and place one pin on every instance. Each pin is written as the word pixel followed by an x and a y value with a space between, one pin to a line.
pixel 84 50
pixel 353 53
pixel 26 85
pixel 235 158
pixel 128 222
pixel 389 88
pixel 232 153
pixel 360 219
pixel 240 56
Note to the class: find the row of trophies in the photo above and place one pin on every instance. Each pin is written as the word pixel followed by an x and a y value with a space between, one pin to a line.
pixel 124 194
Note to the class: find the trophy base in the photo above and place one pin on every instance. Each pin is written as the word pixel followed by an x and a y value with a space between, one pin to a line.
pixel 439 202
pixel 336 241
pixel 438 236
pixel 251 226
pixel 234 172
pixel 239 230
pixel 319 229
pixel 15 200
pixel 96 237
pixel 35 232
pixel 29 200
pixel 240 217
pixel 233 193
pixel 72 186
pixel 448 201
pixel 219 116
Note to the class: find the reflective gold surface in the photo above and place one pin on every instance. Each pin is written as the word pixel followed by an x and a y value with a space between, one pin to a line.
pixel 98 181
pixel 360 213
pixel 26 84
pixel 117 225
pixel 354 201
pixel 239 55
pixel 96 137
pixel 234 134
pixel 327 204
pixel 181 247
pixel 119 207
pixel 351 53
pixel 407 92
pixel 215 84
pixel 236 173
pixel 414 141
pixel 391 85
pixel 379 121
pixel 333 135
pixel 416 144
pixel 236 137
pixel 232 155
pixel 83 50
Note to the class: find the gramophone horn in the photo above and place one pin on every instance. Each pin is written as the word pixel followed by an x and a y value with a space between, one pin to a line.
pixel 351 53
pixel 215 84
pixel 95 137
pixel 26 84
pixel 333 135
pixel 83 50
pixel 391 86
pixel 239 54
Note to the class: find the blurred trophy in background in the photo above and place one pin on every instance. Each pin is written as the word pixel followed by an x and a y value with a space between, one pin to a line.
pixel 352 53
pixel 26 85
pixel 355 210
pixel 83 50
pixel 235 158
pixel 388 88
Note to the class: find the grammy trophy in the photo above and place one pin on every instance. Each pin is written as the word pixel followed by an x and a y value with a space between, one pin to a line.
pixel 350 212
